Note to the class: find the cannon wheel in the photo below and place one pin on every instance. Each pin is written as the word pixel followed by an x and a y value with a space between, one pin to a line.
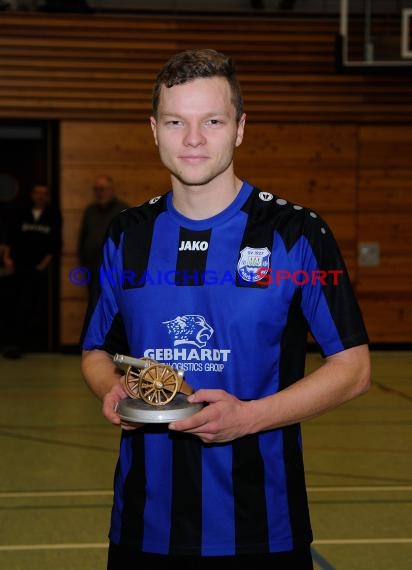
pixel 132 379
pixel 158 384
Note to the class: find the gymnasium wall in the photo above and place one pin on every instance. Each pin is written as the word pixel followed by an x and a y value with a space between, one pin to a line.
pixel 339 143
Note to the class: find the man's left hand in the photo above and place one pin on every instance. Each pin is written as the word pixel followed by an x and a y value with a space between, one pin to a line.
pixel 223 419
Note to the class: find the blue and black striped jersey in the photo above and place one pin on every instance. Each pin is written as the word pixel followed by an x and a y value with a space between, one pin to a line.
pixel 231 300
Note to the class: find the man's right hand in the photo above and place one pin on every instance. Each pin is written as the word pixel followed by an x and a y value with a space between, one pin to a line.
pixel 110 402
pixel 8 264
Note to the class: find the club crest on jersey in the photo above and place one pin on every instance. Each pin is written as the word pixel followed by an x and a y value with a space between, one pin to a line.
pixel 253 263
pixel 189 329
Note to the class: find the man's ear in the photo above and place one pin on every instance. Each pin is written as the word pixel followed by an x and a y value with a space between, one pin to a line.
pixel 240 129
pixel 153 124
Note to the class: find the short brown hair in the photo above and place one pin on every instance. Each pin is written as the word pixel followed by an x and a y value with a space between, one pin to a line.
pixel 196 64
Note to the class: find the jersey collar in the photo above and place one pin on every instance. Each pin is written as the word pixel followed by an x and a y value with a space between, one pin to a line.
pixel 220 218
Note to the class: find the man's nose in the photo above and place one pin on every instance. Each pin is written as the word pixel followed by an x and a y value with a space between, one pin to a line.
pixel 194 135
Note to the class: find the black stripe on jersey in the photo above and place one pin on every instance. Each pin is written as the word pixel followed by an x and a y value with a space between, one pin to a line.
pixel 292 223
pixel 291 369
pixel 258 233
pixel 280 217
pixel 294 342
pixel 134 492
pixel 340 296
pixel 186 516
pixel 191 260
pixel 116 339
pixel 249 495
pixel 296 485
pixel 138 240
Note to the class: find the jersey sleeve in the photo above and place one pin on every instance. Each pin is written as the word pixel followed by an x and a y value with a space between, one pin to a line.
pixel 103 327
pixel 329 303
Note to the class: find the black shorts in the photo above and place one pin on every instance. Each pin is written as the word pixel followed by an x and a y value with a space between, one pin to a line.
pixel 129 558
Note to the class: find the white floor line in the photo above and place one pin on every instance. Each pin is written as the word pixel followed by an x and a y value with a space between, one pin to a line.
pixel 108 493
pixel 68 546
pixel 97 545
pixel 359 488
pixel 35 494
pixel 363 541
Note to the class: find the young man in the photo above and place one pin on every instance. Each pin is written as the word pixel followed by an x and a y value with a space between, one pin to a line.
pixel 224 281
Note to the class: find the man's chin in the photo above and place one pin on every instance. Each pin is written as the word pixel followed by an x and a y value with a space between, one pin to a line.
pixel 194 181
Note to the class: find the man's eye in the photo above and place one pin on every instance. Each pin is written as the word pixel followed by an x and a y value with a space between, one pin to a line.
pixel 214 122
pixel 174 123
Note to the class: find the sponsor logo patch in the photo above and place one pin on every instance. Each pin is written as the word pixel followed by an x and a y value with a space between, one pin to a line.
pixel 189 329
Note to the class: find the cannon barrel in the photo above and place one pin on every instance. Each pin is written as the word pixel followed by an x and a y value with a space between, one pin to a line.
pixel 124 361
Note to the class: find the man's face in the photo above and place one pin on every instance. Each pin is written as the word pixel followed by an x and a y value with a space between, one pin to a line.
pixel 196 130
pixel 40 196
pixel 103 190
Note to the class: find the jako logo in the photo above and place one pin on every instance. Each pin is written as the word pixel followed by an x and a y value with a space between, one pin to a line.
pixel 189 329
pixel 193 245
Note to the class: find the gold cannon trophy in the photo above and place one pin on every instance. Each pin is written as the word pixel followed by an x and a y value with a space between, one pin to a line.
pixel 157 393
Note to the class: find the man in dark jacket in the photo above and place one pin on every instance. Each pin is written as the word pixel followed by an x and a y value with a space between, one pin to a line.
pixel 96 219
pixel 33 240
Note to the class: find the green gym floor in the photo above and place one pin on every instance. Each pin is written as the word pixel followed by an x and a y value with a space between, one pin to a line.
pixel 58 456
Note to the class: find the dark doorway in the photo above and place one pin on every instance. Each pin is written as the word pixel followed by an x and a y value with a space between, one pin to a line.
pixel 28 156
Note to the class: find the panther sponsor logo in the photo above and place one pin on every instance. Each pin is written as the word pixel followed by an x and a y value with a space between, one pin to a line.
pixel 190 335
pixel 189 329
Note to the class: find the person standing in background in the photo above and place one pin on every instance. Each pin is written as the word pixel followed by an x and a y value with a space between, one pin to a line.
pixel 33 239
pixel 96 219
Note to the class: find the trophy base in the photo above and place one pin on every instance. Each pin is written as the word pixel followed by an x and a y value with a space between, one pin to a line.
pixel 138 411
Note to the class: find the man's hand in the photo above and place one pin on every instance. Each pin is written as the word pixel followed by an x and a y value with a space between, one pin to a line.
pixel 110 402
pixel 8 263
pixel 44 263
pixel 106 382
pixel 224 418
pixel 344 376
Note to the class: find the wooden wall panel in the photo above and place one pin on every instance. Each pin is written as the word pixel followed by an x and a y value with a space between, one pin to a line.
pixel 304 163
pixel 72 314
pixel 392 230
pixel 108 142
pixel 102 67
pixel 72 289
pixel 388 320
pixel 392 278
pixel 382 187
pixel 311 165
pixel 385 214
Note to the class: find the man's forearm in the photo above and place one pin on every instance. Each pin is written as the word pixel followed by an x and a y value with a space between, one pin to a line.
pixel 343 377
pixel 99 372
pixel 45 262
